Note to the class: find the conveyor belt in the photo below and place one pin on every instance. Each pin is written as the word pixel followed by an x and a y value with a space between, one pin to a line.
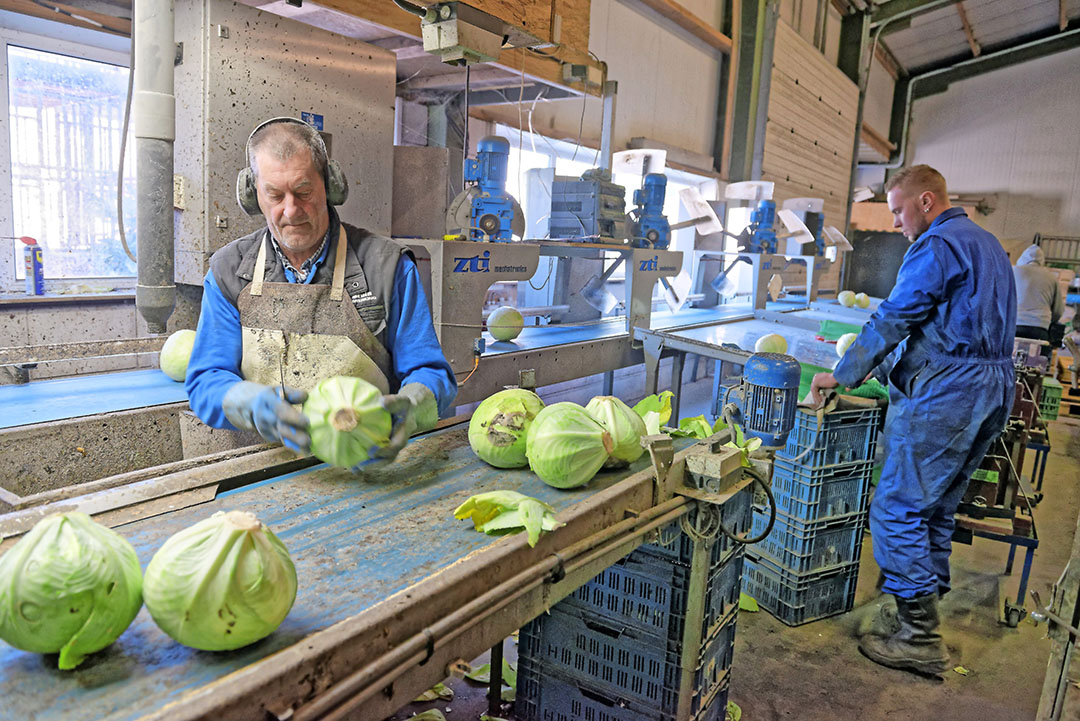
pixel 534 337
pixel 52 400
pixel 802 344
pixel 354 541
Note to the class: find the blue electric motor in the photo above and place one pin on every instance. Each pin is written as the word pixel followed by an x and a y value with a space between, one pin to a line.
pixel 650 227
pixel 492 208
pixel 766 399
pixel 763 228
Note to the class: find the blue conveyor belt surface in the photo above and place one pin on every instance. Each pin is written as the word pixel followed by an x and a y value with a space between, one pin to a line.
pixel 52 400
pixel 355 541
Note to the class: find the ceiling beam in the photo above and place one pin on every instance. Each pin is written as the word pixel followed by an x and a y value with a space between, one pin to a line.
pixel 69 15
pixel 691 23
pixel 891 12
pixel 976 49
pixel 888 61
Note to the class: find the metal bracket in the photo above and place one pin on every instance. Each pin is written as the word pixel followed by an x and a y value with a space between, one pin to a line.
pixel 1052 619
pixel 662 454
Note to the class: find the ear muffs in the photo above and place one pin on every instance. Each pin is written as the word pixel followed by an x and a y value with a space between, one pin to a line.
pixel 335 182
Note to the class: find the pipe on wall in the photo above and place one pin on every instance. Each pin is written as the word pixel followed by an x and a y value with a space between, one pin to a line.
pixel 154 113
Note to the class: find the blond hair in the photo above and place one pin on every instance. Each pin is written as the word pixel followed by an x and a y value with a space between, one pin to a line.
pixel 918 179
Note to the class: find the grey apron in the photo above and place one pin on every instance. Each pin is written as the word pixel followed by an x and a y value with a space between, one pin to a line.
pixel 307 333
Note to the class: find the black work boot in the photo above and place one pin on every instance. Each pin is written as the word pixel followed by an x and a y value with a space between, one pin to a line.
pixel 916 645
pixel 881 618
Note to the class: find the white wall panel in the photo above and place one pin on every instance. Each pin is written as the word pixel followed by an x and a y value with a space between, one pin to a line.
pixel 1012 133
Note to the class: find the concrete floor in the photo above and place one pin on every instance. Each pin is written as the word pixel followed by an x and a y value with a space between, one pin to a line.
pixel 815 672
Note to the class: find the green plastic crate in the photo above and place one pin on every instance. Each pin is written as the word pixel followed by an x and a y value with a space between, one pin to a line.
pixel 1050 403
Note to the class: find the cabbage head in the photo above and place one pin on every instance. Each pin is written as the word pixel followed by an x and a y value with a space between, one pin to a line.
pixel 862 300
pixel 221 584
pixel 499 424
pixel 846 298
pixel 844 342
pixel 505 323
pixel 175 354
pixel 624 425
pixel 565 446
pixel 69 586
pixel 347 420
pixel 771 343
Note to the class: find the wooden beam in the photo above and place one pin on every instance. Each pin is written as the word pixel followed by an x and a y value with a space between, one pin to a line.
pixel 888 60
pixel 976 49
pixel 69 15
pixel 691 23
pixel 1063 18
pixel 877 141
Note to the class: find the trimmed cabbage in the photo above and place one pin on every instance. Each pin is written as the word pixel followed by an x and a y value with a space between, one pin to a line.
pixel 221 584
pixel 176 353
pixel 846 298
pixel 844 342
pixel 499 424
pixel 347 420
pixel 69 586
pixel 565 446
pixel 862 300
pixel 624 425
pixel 505 323
pixel 771 343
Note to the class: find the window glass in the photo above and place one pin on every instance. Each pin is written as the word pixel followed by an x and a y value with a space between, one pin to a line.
pixel 65 119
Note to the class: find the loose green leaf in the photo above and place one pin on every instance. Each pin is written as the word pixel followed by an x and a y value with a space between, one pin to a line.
pixel 509 674
pixel 509 695
pixel 962 671
pixel 696 427
pixel 435 693
pixel 432 714
pixel 652 423
pixel 748 603
pixel 501 512
pixel 734 713
pixel 482 674
pixel 485 717
pixel 659 403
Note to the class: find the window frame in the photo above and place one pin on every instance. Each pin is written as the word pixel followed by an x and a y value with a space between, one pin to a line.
pixel 29 32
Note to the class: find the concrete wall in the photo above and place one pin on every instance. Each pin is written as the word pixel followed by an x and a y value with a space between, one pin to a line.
pixel 1013 134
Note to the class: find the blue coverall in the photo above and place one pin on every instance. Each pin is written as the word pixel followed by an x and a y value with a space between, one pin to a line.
pixel 950 392
pixel 410 337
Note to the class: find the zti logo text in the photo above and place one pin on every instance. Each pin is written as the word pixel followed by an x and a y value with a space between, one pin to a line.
pixel 650 264
pixel 475 264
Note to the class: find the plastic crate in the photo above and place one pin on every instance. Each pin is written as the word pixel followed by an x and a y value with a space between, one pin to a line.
pixel 801 547
pixel 815 494
pixel 622 662
pixel 677 547
pixel 844 437
pixel 796 599
pixel 650 595
pixel 1050 402
pixel 552 697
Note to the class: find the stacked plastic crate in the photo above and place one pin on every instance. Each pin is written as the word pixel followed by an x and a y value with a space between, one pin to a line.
pixel 808 566
pixel 1050 401
pixel 619 648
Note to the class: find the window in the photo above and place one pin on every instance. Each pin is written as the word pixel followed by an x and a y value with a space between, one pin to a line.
pixel 61 144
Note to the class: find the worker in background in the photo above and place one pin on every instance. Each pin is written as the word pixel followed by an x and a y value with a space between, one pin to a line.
pixel 950 393
pixel 1039 304
pixel 309 297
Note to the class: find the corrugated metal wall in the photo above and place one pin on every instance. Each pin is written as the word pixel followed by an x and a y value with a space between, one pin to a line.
pixel 810 131
pixel 1015 133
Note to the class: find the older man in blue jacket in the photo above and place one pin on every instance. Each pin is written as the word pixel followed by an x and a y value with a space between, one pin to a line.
pixel 950 393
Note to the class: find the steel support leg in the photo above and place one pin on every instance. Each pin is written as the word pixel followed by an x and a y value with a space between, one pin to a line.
pixel 495 681
pixel 676 384
pixel 1009 563
pixel 609 383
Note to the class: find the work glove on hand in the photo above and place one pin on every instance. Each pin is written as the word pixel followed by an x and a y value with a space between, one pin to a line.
pixel 414 409
pixel 268 410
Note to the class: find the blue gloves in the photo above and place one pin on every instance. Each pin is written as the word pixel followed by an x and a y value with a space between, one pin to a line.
pixel 255 407
pixel 414 409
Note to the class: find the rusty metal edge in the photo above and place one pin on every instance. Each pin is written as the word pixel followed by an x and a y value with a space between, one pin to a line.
pixel 274 686
pixel 86 349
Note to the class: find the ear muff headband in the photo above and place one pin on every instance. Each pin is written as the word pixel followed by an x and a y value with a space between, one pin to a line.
pixel 334 180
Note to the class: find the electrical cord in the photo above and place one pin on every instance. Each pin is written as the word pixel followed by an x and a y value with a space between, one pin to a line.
pixel 760 479
pixel 123 150
pixel 476 364
pixel 420 12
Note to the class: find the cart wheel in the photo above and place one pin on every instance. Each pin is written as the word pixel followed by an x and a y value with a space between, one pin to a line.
pixel 1013 615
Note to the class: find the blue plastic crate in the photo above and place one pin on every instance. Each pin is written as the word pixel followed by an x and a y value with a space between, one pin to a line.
pixel 621 661
pixel 844 437
pixel 808 547
pixel 650 595
pixel 796 599
pixel 815 494
pixel 674 545
pixel 552 697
